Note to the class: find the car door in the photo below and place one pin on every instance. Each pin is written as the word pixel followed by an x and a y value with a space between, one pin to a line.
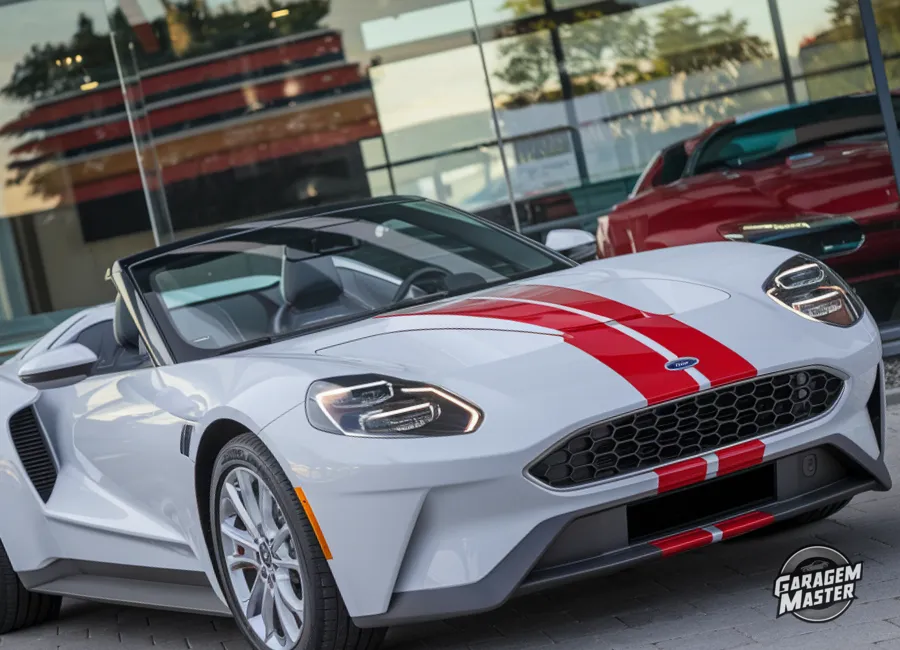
pixel 123 481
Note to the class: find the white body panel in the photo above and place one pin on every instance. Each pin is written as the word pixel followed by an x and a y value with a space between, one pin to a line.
pixel 414 514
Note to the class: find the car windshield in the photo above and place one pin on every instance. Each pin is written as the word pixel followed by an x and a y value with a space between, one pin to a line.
pixel 260 282
pixel 770 138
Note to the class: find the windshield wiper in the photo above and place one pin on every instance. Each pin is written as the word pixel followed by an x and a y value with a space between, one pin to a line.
pixel 246 345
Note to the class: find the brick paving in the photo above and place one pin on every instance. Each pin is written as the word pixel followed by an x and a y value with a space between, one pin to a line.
pixel 716 598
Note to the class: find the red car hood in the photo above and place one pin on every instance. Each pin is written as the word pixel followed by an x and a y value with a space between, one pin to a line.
pixel 834 180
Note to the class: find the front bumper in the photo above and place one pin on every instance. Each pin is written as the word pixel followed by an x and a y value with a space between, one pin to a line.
pixel 422 532
pixel 576 545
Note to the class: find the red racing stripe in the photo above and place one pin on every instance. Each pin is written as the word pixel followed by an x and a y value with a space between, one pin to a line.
pixel 718 363
pixel 641 366
pixel 681 474
pixel 683 541
pixel 573 298
pixel 744 523
pixel 742 456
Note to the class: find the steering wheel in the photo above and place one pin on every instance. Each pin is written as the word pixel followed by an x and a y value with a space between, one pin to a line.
pixel 416 276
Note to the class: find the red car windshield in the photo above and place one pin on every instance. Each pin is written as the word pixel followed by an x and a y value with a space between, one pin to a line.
pixel 770 138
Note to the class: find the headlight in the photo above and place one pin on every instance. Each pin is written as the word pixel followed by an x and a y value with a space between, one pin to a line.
pixel 376 406
pixel 814 291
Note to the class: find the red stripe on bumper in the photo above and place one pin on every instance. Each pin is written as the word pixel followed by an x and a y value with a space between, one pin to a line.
pixel 740 456
pixel 718 363
pixel 681 474
pixel 639 365
pixel 744 524
pixel 683 541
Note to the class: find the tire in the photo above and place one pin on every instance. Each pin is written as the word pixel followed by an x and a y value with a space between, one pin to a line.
pixel 20 608
pixel 326 625
pixel 813 516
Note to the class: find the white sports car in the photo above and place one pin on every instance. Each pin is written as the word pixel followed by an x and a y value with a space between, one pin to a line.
pixel 338 420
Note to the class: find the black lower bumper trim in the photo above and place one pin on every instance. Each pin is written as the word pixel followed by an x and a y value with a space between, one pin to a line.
pixel 617 560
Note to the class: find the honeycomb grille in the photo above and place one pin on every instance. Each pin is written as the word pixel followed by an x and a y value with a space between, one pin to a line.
pixel 688 427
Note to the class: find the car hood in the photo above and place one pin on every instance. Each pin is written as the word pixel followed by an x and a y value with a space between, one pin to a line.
pixel 614 324
pixel 833 180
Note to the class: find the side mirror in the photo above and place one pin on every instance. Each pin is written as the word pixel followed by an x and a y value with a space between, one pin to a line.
pixel 63 366
pixel 579 245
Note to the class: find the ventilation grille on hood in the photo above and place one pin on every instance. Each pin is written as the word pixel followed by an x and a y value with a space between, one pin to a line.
pixel 31 445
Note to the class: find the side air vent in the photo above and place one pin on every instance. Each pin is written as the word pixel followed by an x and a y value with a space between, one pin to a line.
pixel 185 444
pixel 31 445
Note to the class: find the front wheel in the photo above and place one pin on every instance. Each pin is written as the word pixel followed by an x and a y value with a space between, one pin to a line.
pixel 20 608
pixel 271 567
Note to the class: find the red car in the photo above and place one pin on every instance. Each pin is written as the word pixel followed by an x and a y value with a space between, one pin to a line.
pixel 815 177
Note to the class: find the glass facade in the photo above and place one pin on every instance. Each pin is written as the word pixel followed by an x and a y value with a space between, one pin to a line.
pixel 130 122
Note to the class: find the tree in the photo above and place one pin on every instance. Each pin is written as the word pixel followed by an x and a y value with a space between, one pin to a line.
pixel 625 49
pixel 53 69
pixel 843 42
pixel 687 43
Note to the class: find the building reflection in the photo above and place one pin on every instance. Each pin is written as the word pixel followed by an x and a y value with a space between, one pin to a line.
pixel 235 133
pixel 239 108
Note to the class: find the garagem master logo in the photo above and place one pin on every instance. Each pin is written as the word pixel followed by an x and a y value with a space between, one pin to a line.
pixel 817 584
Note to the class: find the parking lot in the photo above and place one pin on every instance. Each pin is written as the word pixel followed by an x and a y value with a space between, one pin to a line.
pixel 713 599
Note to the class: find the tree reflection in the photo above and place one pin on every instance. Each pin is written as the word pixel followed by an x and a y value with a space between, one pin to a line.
pixel 187 29
pixel 83 69
pixel 843 42
pixel 605 52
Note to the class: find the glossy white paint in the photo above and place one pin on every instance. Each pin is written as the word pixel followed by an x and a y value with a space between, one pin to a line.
pixel 55 368
pixel 398 515
pixel 564 239
pixel 25 530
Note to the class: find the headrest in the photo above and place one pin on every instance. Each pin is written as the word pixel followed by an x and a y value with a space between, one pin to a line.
pixel 124 329
pixel 309 282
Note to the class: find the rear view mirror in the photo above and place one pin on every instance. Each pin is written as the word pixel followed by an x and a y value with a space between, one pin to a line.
pixel 63 366
pixel 575 244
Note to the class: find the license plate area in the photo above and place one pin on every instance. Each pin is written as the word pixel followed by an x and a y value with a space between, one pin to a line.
pixel 701 504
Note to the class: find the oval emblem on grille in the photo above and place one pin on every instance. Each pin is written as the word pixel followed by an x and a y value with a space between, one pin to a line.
pixel 682 364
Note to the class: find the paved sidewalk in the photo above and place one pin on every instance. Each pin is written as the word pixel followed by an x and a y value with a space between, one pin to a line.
pixel 716 598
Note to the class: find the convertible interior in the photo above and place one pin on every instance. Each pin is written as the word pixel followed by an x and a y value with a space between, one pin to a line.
pixel 306 291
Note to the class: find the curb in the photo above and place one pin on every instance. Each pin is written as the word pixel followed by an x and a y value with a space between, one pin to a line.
pixel 892 396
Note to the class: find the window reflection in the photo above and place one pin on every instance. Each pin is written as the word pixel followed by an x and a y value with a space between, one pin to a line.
pixel 626 84
pixel 323 101
pixel 826 45
pixel 244 107
pixel 57 75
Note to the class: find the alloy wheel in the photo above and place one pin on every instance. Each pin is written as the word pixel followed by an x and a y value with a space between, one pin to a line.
pixel 262 560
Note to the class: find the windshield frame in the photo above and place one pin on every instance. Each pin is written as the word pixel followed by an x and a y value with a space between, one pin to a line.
pixel 166 347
